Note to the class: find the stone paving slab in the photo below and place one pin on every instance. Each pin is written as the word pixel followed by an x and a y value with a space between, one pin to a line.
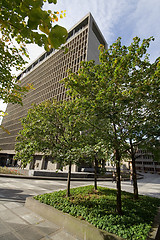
pixel 19 223
pixel 30 233
pixel 60 236
pixel 3 228
pixel 9 236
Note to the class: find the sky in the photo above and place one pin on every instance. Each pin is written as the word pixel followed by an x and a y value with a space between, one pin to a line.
pixel 115 18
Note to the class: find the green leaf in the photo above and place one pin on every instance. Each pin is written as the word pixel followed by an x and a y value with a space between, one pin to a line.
pixel 57 36
pixel 52 1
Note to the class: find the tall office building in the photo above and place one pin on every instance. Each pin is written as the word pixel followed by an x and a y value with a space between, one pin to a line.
pixel 45 74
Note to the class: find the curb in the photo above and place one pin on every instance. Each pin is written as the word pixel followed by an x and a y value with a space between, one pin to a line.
pixel 54 178
pixel 78 228
pixel 61 178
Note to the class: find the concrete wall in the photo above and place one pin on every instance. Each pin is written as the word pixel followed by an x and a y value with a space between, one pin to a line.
pixel 93 44
pixel 73 169
pixel 95 38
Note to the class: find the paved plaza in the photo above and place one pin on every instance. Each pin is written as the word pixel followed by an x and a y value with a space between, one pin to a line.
pixel 19 223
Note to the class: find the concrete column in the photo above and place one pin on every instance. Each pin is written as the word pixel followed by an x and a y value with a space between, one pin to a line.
pixel 154 167
pixel 42 162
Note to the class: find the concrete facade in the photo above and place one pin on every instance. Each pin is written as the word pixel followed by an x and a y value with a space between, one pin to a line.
pixel 45 74
pixel 145 162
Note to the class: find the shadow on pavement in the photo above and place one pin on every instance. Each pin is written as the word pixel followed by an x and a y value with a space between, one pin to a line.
pixel 13 195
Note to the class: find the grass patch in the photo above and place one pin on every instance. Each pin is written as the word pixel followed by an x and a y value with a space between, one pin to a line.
pixel 5 170
pixel 99 209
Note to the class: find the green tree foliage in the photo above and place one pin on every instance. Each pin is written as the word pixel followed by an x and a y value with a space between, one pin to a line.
pixel 95 152
pixel 118 93
pixel 23 22
pixel 10 91
pixel 54 130
pixel 95 148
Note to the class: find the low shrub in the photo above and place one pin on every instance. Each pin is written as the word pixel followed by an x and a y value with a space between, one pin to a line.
pixel 5 170
pixel 99 208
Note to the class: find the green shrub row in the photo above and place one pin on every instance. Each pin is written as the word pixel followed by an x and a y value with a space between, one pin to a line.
pixel 99 209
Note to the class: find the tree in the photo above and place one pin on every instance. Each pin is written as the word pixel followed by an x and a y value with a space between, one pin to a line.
pixel 117 91
pixel 95 152
pixel 144 131
pixel 54 130
pixel 23 22
pixel 95 149
pixel 70 139
pixel 91 83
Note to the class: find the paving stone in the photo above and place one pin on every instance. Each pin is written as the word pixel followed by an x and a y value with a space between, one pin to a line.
pixel 6 215
pixel 2 207
pixel 9 217
pixel 61 235
pixel 46 238
pixel 9 236
pixel 3 228
pixel 32 218
pixel 16 220
pixel 30 233
pixel 14 205
pixel 17 226
pixel 46 223
pixel 21 211
pixel 47 227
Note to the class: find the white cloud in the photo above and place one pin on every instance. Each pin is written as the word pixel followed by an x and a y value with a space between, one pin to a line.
pixel 111 14
pixel 115 18
pixel 146 17
pixel 145 20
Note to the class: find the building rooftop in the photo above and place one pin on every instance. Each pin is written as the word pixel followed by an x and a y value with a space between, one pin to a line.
pixel 71 33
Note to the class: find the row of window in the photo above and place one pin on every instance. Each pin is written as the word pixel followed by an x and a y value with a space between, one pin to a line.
pixel 80 41
pixel 45 78
pixel 36 76
pixel 145 157
pixel 142 151
pixel 61 75
pixel 45 55
pixel 147 163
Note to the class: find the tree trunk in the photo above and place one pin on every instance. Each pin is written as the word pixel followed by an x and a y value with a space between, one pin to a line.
pixel 135 186
pixel 69 180
pixel 95 172
pixel 118 179
pixel 118 170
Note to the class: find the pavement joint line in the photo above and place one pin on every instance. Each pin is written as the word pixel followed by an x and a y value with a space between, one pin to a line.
pixel 56 231
pixel 28 223
pixel 12 230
